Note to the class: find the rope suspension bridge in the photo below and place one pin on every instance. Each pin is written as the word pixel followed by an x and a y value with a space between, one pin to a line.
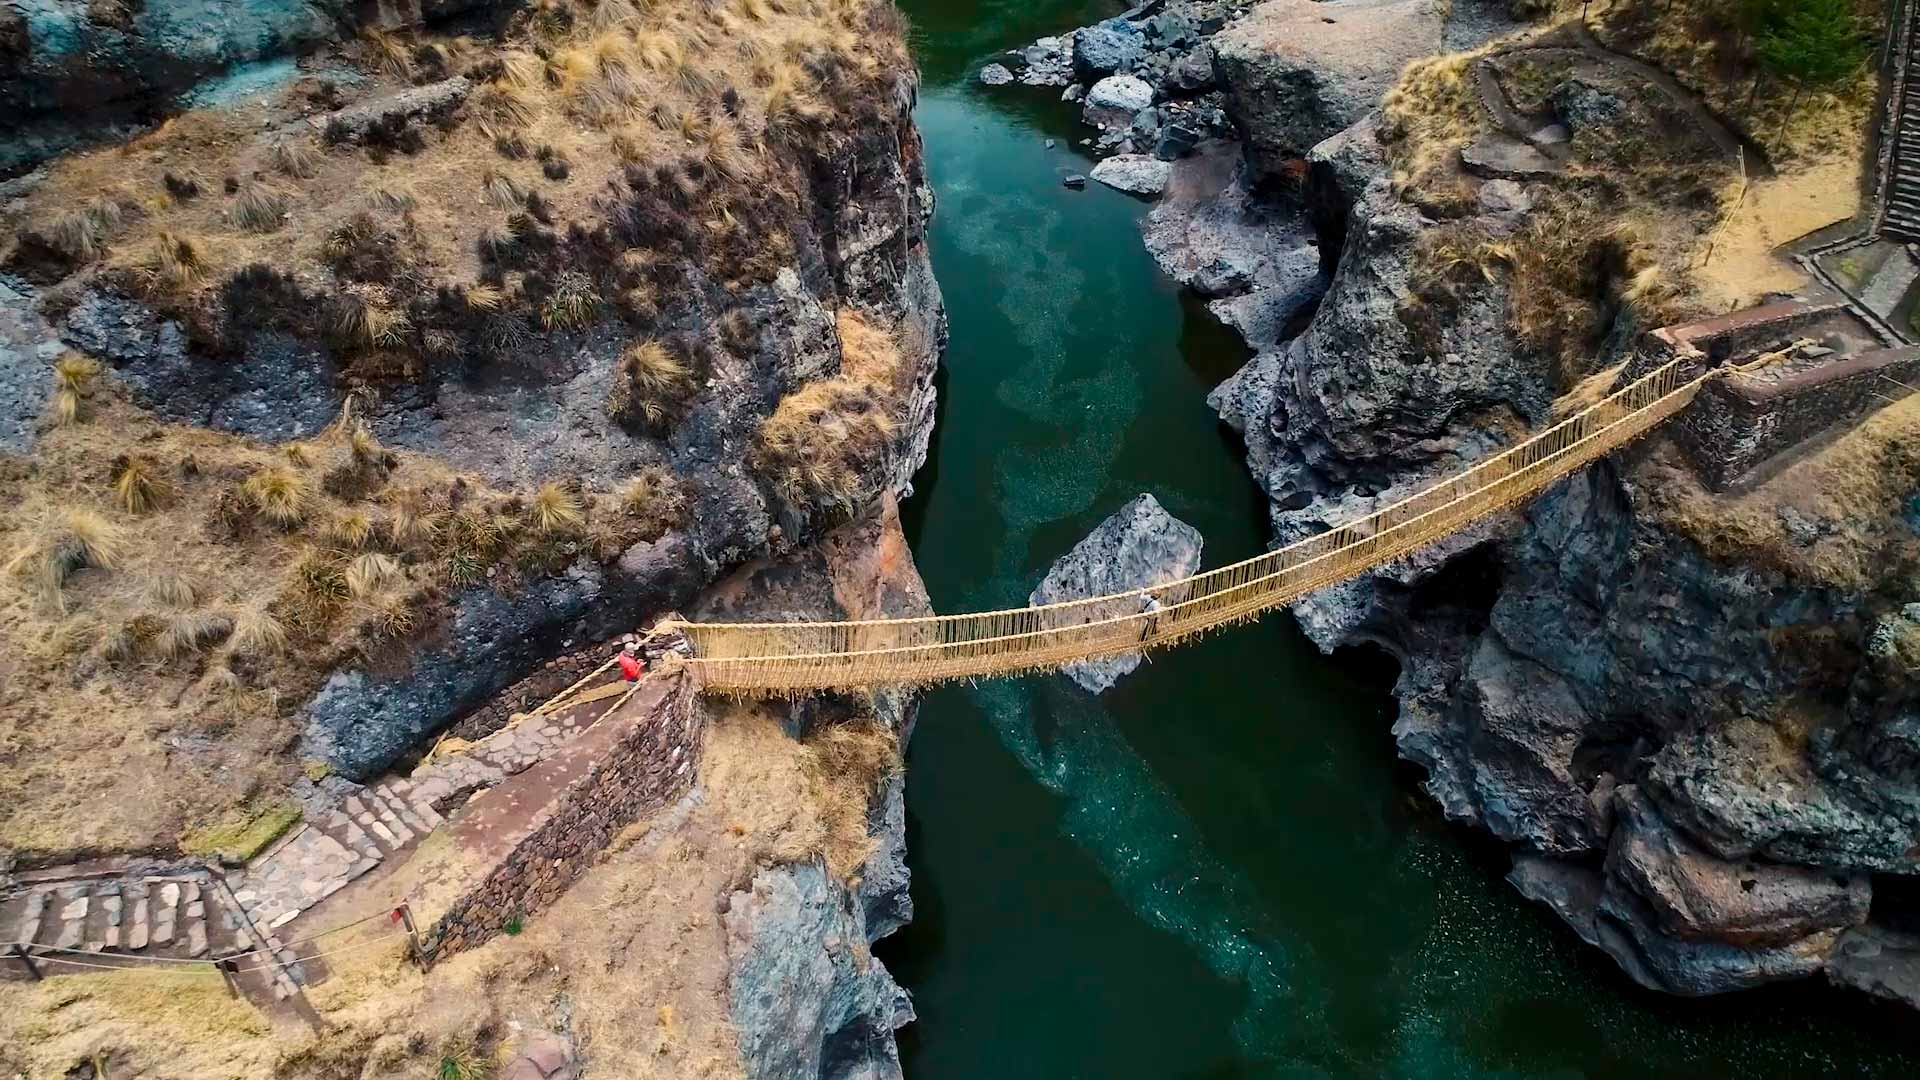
pixel 776 658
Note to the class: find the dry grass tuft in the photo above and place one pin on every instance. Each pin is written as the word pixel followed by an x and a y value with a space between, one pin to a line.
pixel 282 496
pixel 827 445
pixel 259 206
pixel 292 155
pixel 554 511
pixel 80 540
pixel 83 234
pixel 188 633
pixel 349 531
pixel 170 590
pixel 73 376
pixel 650 384
pixel 573 303
pixel 139 485
pixel 502 192
pixel 177 262
pixel 256 633
pixel 370 572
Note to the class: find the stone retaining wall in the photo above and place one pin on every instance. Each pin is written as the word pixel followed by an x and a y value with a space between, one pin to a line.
pixel 1738 423
pixel 635 761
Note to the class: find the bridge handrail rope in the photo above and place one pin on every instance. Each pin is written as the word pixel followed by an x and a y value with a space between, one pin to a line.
pixel 794 656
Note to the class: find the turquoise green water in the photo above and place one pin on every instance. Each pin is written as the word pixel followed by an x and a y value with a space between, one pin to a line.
pixel 1217 869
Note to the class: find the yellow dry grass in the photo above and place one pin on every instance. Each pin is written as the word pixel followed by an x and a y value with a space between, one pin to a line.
pixel 727 98
pixel 162 709
pixel 827 443
pixel 140 1023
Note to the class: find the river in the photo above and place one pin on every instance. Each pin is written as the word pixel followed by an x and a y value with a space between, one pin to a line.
pixel 1217 869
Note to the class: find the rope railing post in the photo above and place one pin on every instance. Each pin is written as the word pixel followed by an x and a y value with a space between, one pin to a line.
pixel 229 975
pixel 25 956
pixel 404 916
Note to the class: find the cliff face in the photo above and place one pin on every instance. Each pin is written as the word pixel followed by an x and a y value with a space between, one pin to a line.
pixel 1680 747
pixel 422 296
pixel 1700 750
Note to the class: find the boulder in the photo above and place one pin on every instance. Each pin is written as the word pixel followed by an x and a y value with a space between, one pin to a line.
pixel 1138 547
pixel 1581 106
pixel 1116 98
pixel 1679 920
pixel 1298 71
pixel 996 75
pixel 1694 896
pixel 807 997
pixel 1112 46
pixel 1138 174
pixel 1879 961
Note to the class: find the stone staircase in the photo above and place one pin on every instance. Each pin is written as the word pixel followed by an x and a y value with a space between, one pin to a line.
pixel 1902 209
pixel 322 856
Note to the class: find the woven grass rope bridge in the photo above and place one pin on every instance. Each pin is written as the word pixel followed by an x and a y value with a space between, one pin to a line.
pixel 776 658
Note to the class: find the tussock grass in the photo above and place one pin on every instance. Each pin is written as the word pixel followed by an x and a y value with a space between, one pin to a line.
pixel 259 206
pixel 73 376
pixel 258 633
pixel 370 572
pixel 650 384
pixel 75 541
pixel 178 262
pixel 554 511
pixel 172 590
pixel 281 495
pixel 828 444
pixel 139 485
pixel 292 155
pixel 573 303
pixel 83 234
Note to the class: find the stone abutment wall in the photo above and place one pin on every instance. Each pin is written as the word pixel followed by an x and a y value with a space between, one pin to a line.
pixel 639 764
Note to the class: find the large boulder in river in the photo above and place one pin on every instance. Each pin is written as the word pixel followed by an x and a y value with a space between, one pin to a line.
pixel 1138 174
pixel 1114 100
pixel 1112 46
pixel 1298 71
pixel 1138 547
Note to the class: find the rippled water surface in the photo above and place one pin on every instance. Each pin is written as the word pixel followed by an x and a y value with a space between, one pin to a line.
pixel 1217 869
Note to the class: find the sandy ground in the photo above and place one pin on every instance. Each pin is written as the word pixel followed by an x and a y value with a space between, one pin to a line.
pixel 1741 264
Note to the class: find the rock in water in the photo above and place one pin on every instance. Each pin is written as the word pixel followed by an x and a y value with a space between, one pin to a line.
pixel 996 75
pixel 1142 545
pixel 1141 174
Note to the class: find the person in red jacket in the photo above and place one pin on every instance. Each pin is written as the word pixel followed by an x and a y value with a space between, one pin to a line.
pixel 631 666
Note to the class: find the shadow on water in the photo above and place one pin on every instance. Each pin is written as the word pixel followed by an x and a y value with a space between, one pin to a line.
pixel 1219 868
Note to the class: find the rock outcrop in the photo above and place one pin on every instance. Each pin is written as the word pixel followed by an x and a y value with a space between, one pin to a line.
pixel 1685 778
pixel 72 70
pixel 1298 72
pixel 1138 547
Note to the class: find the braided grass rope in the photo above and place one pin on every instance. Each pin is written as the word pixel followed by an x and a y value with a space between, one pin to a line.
pixel 781 658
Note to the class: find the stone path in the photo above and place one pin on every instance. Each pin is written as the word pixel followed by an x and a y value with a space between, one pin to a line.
pixel 117 921
pixel 119 915
pixel 326 854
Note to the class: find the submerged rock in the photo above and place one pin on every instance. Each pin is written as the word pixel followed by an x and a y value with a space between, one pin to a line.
pixel 1140 546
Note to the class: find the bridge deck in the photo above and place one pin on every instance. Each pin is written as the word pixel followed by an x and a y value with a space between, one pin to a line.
pixel 796 657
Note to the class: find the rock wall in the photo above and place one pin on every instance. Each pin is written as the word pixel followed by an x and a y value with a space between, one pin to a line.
pixel 642 763
pixel 807 995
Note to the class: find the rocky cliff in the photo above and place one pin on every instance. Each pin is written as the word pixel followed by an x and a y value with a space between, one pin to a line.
pixel 1699 743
